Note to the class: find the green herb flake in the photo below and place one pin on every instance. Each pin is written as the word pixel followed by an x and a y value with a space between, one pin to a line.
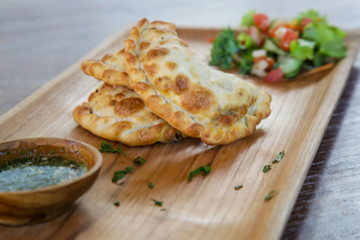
pixel 279 157
pixel 107 147
pixel 118 175
pixel 207 169
pixel 139 160
pixel 204 170
pixel 266 168
pixel 129 169
pixel 163 209
pixel 117 203
pixel 157 203
pixel 150 185
pixel 237 187
pixel 270 195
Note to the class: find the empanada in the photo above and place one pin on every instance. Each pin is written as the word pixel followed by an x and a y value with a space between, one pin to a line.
pixel 111 69
pixel 198 100
pixel 119 114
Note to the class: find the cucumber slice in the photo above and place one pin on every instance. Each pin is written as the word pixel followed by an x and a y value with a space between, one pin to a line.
pixel 290 66
pixel 270 46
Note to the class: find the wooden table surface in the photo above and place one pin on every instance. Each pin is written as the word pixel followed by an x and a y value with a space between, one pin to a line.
pixel 40 39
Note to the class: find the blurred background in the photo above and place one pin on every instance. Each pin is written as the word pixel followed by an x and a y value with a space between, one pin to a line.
pixel 39 39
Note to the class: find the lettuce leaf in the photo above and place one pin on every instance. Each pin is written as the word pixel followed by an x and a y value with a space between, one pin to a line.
pixel 329 39
pixel 319 59
pixel 321 33
pixel 335 49
pixel 248 20
pixel 311 14
pixel 302 49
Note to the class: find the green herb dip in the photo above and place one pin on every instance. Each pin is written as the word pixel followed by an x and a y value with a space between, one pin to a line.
pixel 31 172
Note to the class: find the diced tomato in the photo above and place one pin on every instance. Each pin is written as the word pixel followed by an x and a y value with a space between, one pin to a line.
pixel 270 61
pixel 287 38
pixel 275 75
pixel 305 22
pixel 274 29
pixel 262 22
pixel 211 40
pixel 284 36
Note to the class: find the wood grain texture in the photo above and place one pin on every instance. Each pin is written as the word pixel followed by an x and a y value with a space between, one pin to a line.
pixel 207 208
pixel 328 203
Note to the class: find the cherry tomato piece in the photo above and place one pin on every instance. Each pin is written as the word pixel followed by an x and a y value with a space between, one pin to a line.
pixel 275 75
pixel 262 22
pixel 273 30
pixel 305 22
pixel 287 38
pixel 270 61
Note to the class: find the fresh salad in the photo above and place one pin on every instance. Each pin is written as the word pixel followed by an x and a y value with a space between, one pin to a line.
pixel 277 50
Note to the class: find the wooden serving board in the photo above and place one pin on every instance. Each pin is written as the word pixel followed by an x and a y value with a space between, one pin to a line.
pixel 207 207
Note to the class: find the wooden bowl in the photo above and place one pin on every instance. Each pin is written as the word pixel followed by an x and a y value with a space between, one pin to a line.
pixel 38 205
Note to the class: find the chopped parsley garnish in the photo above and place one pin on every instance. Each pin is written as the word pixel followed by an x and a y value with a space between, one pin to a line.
pixel 237 187
pixel 279 157
pixel 121 174
pixel 129 169
pixel 117 203
pixel 107 147
pixel 270 195
pixel 158 203
pixel 204 170
pixel 266 168
pixel 150 185
pixel 139 160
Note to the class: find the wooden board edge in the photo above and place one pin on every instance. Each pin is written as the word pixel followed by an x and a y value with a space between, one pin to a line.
pixel 277 233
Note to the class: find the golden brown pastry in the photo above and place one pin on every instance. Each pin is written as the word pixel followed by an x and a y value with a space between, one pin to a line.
pixel 119 114
pixel 111 69
pixel 198 100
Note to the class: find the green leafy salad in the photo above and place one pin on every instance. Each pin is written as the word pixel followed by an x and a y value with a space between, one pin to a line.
pixel 276 50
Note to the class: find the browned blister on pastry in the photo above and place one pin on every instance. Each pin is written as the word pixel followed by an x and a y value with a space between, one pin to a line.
pixel 119 114
pixel 198 100
pixel 110 69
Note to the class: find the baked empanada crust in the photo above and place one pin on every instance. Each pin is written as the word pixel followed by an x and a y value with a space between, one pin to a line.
pixel 110 69
pixel 119 114
pixel 198 100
